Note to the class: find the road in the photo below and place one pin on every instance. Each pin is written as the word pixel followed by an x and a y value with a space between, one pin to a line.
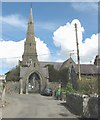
pixel 34 106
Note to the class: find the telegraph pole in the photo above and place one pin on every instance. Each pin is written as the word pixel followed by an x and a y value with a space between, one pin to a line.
pixel 78 58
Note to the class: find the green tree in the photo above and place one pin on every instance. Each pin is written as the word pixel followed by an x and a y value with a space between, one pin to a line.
pixel 64 76
pixel 13 75
pixel 53 73
pixel 56 75
pixel 69 88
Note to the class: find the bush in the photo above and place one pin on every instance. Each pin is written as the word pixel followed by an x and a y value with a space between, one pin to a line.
pixel 69 88
pixel 88 86
pixel 13 75
pixel 55 75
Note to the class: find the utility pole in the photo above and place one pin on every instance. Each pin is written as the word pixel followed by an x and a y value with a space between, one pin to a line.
pixel 78 58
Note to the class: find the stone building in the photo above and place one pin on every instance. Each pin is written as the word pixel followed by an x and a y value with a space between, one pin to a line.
pixel 88 71
pixel 97 61
pixel 33 77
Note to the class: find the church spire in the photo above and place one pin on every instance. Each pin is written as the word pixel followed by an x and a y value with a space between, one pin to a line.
pixel 30 52
pixel 31 15
pixel 30 29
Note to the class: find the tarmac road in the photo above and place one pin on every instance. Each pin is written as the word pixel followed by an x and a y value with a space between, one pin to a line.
pixel 34 106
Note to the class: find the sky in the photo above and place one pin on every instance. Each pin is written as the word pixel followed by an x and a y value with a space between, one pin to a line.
pixel 54 28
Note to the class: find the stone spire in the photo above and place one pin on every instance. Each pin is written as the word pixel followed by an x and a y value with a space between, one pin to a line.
pixel 30 29
pixel 31 15
pixel 30 53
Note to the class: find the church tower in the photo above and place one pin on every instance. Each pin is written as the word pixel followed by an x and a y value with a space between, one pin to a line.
pixel 32 76
pixel 30 54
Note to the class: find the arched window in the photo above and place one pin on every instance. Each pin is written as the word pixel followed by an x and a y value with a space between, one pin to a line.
pixel 34 64
pixel 30 60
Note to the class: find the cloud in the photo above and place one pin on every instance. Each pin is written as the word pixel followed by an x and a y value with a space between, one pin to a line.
pixel 85 6
pixel 65 39
pixel 18 22
pixel 11 52
pixel 42 50
pixel 15 20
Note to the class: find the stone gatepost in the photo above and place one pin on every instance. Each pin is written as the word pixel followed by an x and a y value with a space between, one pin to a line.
pixel 26 86
pixel 21 86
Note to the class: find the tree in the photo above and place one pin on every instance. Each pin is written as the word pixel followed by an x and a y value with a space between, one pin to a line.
pixel 56 75
pixel 64 76
pixel 13 75
pixel 69 88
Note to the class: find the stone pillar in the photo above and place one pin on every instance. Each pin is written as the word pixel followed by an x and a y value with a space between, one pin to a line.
pixel 2 97
pixel 26 86
pixel 21 86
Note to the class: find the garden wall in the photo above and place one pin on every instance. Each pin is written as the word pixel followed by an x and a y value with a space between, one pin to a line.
pixel 83 105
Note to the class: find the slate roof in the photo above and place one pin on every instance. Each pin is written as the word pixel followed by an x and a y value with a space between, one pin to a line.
pixel 87 69
pixel 57 65
pixel 44 69
pixel 67 63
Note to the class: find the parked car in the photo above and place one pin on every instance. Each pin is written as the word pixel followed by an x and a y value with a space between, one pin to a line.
pixel 47 92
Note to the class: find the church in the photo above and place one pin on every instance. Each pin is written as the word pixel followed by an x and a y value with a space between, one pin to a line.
pixel 34 76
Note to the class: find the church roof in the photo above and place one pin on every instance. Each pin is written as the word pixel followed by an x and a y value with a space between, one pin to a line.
pixel 87 69
pixel 67 63
pixel 56 65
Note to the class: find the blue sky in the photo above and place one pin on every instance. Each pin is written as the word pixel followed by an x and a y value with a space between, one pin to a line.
pixel 48 18
pixel 55 14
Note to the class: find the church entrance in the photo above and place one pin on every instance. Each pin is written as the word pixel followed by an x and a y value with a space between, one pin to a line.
pixel 34 83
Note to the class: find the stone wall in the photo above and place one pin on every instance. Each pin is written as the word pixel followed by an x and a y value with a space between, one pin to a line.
pixel 12 87
pixel 53 85
pixel 93 106
pixel 83 105
pixel 75 103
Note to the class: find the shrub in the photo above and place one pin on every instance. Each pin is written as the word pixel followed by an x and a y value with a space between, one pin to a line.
pixel 13 75
pixel 88 86
pixel 69 88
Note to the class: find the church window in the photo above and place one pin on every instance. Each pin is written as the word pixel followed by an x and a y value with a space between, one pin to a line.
pixel 34 64
pixel 30 44
pixel 30 61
